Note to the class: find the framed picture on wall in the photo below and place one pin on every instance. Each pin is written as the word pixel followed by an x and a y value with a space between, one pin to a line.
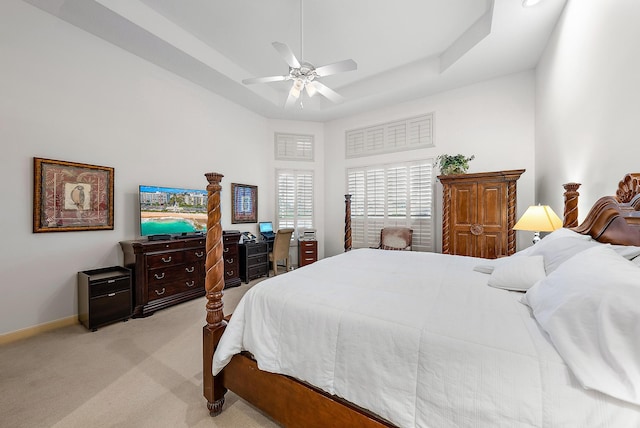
pixel 70 196
pixel 244 203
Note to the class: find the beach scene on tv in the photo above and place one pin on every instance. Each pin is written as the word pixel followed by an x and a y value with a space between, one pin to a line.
pixel 169 210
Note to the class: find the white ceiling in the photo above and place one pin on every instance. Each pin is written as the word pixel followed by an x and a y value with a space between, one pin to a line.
pixel 405 49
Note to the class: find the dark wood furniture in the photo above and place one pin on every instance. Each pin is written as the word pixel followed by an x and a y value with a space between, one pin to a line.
pixel 230 240
pixel 295 403
pixel 254 260
pixel 307 252
pixel 165 272
pixel 104 296
pixel 478 213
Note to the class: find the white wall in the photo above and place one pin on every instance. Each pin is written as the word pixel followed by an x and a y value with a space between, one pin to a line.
pixel 587 104
pixel 494 120
pixel 67 95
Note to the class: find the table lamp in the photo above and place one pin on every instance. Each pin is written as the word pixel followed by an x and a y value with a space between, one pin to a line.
pixel 538 218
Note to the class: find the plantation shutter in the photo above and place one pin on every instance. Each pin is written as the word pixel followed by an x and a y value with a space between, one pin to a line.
pixel 294 192
pixel 392 195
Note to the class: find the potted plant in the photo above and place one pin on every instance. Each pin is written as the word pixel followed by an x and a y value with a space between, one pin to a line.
pixel 453 164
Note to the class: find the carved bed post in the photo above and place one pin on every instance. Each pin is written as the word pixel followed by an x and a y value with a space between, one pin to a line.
pixel 446 204
pixel 347 223
pixel 214 283
pixel 570 204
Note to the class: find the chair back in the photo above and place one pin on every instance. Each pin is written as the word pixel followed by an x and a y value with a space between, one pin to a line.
pixel 281 244
pixel 396 238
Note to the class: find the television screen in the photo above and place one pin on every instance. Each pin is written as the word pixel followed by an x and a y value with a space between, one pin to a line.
pixel 171 210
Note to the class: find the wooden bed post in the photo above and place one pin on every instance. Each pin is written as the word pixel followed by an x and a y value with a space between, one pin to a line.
pixel 213 389
pixel 570 204
pixel 347 223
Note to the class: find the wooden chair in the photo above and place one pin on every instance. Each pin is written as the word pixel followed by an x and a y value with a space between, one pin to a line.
pixel 280 249
pixel 395 238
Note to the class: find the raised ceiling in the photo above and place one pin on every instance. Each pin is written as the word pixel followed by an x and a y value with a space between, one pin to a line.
pixel 404 49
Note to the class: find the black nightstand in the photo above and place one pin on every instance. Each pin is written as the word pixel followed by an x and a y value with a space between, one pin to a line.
pixel 254 260
pixel 104 296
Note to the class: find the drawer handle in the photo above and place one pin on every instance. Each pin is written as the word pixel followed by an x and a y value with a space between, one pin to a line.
pixel 159 276
pixel 111 281
pixel 190 284
pixel 160 293
pixel 166 260
pixel 226 250
pixel 230 260
pixel 191 269
pixel 200 254
pixel 229 273
pixel 111 294
pixel 309 252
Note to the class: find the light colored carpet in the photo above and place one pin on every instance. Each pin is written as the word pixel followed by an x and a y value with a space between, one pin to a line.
pixel 145 372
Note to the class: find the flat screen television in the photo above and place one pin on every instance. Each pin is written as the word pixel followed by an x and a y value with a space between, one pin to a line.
pixel 172 211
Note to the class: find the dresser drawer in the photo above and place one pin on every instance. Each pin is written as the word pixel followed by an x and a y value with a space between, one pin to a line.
pixel 173 273
pixel 260 259
pixel 109 286
pixel 162 246
pixel 166 289
pixel 258 248
pixel 164 259
pixel 257 271
pixel 195 254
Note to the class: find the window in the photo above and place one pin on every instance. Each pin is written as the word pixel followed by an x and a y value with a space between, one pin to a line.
pixel 293 147
pixel 392 195
pixel 294 192
pixel 405 134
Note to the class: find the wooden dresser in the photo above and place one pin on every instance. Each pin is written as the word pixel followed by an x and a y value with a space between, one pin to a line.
pixel 165 272
pixel 230 240
pixel 478 213
pixel 307 252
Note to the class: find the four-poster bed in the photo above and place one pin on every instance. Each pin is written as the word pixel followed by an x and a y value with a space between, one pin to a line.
pixel 294 402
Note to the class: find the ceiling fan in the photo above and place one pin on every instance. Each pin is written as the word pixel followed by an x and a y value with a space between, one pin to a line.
pixel 304 74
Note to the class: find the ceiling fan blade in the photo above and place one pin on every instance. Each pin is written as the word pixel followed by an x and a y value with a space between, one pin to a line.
pixel 264 79
pixel 327 92
pixel 337 67
pixel 287 54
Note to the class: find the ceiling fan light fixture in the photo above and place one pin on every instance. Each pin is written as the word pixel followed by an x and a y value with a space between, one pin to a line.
pixel 311 90
pixel 296 88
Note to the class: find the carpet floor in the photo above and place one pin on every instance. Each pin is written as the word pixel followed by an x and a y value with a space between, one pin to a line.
pixel 145 372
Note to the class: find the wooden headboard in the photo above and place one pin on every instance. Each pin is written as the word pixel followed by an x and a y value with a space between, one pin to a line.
pixel 612 219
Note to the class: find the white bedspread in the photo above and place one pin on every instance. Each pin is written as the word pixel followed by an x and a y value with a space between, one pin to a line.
pixel 417 338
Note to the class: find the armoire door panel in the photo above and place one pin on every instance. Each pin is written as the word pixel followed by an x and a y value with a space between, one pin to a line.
pixel 464 203
pixel 491 204
pixel 464 243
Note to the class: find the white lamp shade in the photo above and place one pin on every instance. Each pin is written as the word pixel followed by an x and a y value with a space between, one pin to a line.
pixel 539 218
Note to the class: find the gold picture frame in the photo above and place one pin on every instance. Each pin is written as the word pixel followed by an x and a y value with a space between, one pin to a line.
pixel 244 203
pixel 70 196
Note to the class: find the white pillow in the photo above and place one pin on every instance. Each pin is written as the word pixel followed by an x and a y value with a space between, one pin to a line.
pixel 557 251
pixel 519 274
pixel 629 252
pixel 590 309
pixel 556 234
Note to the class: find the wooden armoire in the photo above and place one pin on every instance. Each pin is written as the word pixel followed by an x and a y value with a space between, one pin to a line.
pixel 478 213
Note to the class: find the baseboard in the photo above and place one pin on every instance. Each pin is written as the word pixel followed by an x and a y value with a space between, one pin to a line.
pixel 37 329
